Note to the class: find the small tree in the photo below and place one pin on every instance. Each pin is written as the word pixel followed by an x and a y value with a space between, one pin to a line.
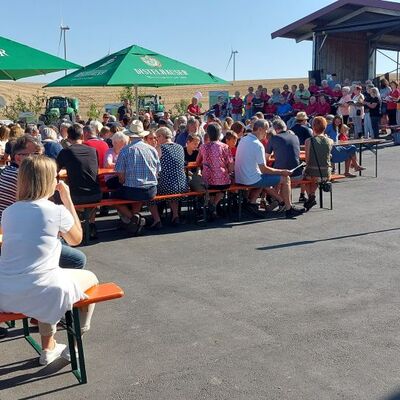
pixel 18 105
pixel 14 107
pixel 127 93
pixel 37 102
pixel 181 107
pixel 94 110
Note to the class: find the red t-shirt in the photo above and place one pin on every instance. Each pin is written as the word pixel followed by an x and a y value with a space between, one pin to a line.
pixel 269 109
pixel 194 109
pixel 392 105
pixel 101 148
pixel 311 109
pixel 314 89
pixel 248 100
pixel 237 105
pixel 337 94
pixel 265 96
pixel 323 109
pixel 327 90
pixel 299 106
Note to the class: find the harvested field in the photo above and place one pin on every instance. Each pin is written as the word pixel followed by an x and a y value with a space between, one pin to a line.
pixel 103 95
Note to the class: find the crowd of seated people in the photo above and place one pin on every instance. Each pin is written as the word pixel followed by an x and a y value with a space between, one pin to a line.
pixel 236 143
pixel 149 156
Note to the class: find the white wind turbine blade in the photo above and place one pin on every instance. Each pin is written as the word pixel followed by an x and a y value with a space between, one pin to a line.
pixel 229 61
pixel 59 42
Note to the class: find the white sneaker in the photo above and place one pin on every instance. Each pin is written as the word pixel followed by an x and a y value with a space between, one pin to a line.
pixel 48 356
pixel 66 355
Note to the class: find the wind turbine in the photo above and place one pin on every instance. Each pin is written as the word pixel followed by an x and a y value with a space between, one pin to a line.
pixel 63 29
pixel 233 55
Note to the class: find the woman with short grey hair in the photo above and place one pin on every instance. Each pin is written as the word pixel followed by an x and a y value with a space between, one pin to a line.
pixel 49 141
pixel 372 106
pixel 172 177
pixel 119 141
pixel 343 104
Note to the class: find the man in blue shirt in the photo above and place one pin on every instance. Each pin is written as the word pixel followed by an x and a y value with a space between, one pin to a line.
pixel 284 110
pixel 137 166
pixel 301 128
pixel 286 148
pixel 191 129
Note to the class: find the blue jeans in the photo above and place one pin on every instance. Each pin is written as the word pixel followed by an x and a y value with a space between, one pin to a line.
pixel 248 113
pixel 267 181
pixel 71 258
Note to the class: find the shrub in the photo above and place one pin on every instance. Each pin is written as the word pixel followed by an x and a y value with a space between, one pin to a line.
pixel 94 111
pixel 16 105
pixel 180 108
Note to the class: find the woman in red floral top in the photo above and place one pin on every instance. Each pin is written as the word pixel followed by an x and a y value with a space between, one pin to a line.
pixel 217 162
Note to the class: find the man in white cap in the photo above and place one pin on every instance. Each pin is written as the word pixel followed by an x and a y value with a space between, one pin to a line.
pixel 137 166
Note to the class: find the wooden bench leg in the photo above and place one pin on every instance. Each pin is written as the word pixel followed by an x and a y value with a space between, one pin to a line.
pixel 10 324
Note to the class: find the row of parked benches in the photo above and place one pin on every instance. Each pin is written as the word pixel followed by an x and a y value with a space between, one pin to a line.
pixel 234 189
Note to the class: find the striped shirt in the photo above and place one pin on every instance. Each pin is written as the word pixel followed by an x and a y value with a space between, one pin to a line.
pixel 8 187
pixel 140 164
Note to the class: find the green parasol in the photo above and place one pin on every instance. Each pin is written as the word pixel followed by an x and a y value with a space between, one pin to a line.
pixel 136 66
pixel 20 61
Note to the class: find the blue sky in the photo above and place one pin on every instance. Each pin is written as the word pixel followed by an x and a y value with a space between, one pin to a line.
pixel 200 35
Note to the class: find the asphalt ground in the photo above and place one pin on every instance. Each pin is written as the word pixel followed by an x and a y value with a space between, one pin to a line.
pixel 261 309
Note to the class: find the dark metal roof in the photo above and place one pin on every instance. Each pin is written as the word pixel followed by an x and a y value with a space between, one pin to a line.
pixel 381 19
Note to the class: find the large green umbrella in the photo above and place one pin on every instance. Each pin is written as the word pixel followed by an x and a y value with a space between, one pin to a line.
pixel 20 61
pixel 136 66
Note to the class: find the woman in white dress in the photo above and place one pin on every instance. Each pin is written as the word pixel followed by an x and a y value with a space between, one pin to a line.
pixel 31 281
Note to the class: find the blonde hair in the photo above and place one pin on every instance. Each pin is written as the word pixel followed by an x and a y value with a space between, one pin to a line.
pixel 4 132
pixel 36 178
pixel 15 131
pixel 344 128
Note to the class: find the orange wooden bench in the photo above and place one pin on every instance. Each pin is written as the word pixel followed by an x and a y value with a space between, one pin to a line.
pixel 233 188
pixel 96 294
pixel 86 208
pixel 243 188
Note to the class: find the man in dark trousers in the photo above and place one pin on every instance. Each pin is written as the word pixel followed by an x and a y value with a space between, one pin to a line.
pixel 81 164
pixel 124 110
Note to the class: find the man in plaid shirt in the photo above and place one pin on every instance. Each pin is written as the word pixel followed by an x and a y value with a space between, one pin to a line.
pixel 137 166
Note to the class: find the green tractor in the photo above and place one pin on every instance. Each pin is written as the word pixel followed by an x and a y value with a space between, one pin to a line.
pixel 151 102
pixel 58 107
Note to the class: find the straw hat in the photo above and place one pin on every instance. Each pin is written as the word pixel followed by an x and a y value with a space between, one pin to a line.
pixel 301 116
pixel 136 129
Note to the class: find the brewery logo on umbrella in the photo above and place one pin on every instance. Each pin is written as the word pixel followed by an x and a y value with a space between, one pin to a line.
pixel 151 61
